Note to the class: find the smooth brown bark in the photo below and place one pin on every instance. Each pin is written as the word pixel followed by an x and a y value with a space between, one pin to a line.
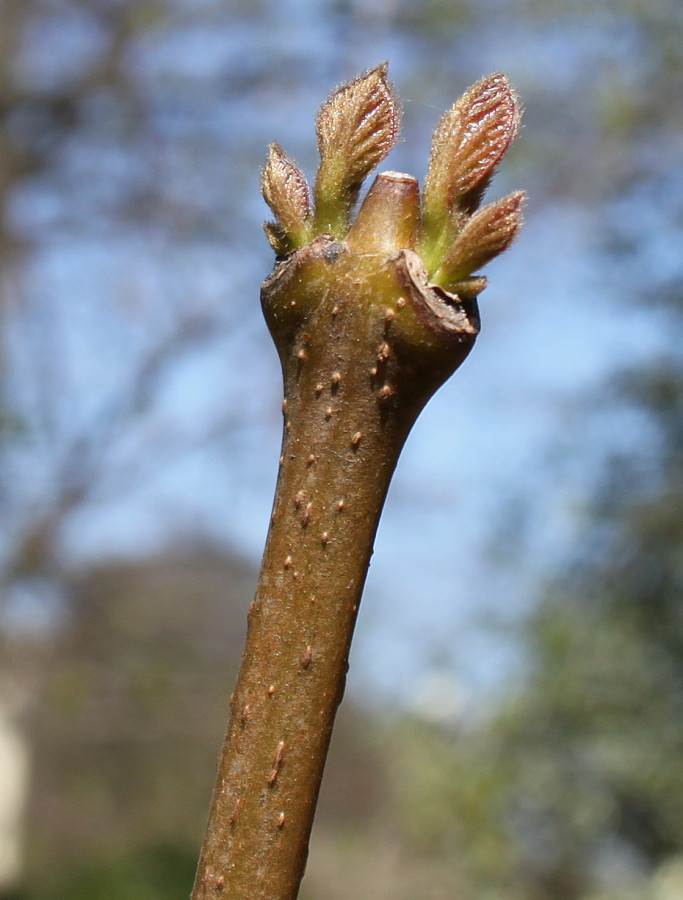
pixel 364 342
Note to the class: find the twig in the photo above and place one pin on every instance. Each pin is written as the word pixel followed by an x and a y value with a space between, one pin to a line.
pixel 365 333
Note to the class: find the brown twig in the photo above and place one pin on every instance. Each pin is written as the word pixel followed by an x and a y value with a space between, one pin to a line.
pixel 364 338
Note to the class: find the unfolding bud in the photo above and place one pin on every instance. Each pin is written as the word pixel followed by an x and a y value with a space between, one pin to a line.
pixel 356 127
pixel 276 238
pixel 469 142
pixel 285 190
pixel 490 231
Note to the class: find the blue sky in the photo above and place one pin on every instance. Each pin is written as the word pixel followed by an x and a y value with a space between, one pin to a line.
pixel 511 429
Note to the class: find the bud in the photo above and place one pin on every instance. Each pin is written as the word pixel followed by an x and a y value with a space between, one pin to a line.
pixel 285 190
pixel 469 142
pixel 277 238
pixel 484 236
pixel 356 127
pixel 388 216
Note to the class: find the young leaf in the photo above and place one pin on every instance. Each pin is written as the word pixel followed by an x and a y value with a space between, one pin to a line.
pixel 356 127
pixel 485 235
pixel 468 144
pixel 285 190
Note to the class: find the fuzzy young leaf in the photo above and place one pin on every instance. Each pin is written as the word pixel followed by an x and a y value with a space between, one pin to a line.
pixel 490 231
pixel 356 127
pixel 285 190
pixel 276 238
pixel 469 142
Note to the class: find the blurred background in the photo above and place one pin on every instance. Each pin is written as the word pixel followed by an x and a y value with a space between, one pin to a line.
pixel 513 724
